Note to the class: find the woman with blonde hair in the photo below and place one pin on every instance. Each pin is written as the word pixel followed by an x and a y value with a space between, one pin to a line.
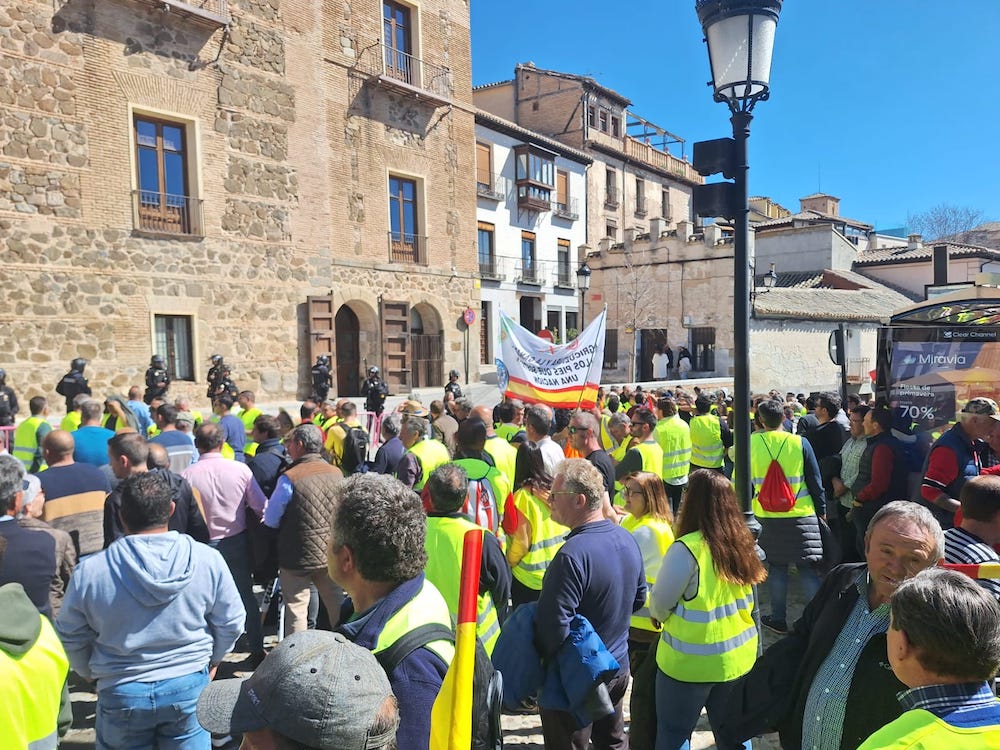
pixel 650 522
pixel 704 598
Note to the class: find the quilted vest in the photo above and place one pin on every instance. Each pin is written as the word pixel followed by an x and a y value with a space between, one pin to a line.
pixel 305 527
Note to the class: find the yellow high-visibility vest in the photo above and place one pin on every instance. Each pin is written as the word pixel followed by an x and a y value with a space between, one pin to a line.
pixel 444 542
pixel 712 637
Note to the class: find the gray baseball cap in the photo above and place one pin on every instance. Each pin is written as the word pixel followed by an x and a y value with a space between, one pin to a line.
pixel 316 688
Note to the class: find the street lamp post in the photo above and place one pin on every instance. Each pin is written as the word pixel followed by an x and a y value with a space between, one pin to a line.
pixel 740 38
pixel 583 284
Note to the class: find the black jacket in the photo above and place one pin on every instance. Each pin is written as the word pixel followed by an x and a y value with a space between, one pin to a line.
pixel 773 694
pixel 30 560
pixel 187 518
pixel 267 464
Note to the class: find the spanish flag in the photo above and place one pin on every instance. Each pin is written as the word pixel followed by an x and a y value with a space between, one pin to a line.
pixel 451 716
pixel 976 571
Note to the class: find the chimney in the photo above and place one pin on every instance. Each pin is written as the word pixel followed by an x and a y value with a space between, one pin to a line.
pixel 684 230
pixel 656 228
pixel 604 245
pixel 630 234
pixel 914 241
pixel 940 264
pixel 713 233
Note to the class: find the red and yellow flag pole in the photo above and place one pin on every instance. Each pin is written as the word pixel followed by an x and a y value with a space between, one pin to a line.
pixel 975 571
pixel 451 716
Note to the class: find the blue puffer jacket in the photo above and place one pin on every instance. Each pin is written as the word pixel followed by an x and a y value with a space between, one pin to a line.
pixel 568 682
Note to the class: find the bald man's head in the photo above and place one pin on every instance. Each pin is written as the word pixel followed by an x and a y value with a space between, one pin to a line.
pixel 158 457
pixel 486 415
pixel 57 445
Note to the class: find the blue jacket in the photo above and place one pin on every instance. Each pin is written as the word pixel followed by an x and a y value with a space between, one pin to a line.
pixel 417 679
pixel 568 681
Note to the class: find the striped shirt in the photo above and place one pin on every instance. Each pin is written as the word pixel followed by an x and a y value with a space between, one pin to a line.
pixel 826 704
pixel 961 546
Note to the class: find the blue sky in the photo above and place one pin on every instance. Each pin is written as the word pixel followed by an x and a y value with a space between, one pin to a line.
pixel 891 105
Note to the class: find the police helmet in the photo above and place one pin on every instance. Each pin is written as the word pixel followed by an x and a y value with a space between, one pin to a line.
pixel 78 364
pixel 453 374
pixel 216 359
pixel 156 361
pixel 373 371
pixel 322 360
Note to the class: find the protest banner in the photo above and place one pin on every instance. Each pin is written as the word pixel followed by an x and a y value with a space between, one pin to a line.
pixel 563 376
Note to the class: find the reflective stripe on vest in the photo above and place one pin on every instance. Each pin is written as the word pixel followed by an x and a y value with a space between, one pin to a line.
pixel 26 448
pixel 712 637
pixel 444 541
pixel 763 447
pixel 919 728
pixel 706 441
pixel 31 692
pixel 674 437
pixel 431 454
pixel 547 537
pixel 427 607
pixel 653 547
pixel 652 456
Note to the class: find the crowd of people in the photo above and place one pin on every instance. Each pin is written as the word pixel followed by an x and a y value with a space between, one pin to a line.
pixel 615 553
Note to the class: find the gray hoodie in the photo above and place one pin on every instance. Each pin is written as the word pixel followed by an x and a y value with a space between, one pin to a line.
pixel 150 607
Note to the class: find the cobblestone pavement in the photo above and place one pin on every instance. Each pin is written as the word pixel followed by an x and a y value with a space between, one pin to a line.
pixel 519 731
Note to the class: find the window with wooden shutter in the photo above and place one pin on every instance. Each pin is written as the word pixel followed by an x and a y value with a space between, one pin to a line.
pixel 484 165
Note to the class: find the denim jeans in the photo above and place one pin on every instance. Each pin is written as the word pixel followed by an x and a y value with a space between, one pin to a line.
pixel 141 715
pixel 777 581
pixel 678 706
pixel 235 550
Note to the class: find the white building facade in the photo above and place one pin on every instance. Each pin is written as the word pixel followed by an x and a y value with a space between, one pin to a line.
pixel 531 224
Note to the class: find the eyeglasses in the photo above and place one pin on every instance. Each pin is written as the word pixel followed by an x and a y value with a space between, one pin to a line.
pixel 637 424
pixel 573 429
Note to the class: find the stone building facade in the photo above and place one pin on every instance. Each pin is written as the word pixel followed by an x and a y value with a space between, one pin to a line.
pixel 265 179
pixel 669 287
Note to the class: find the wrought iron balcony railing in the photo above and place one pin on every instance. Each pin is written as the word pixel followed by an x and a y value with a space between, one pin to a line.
pixel 162 213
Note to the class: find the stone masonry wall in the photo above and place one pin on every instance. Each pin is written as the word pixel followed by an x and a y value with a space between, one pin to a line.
pixel 289 189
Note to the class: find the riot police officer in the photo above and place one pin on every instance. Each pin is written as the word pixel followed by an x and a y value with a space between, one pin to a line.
pixel 453 387
pixel 157 379
pixel 214 374
pixel 321 379
pixel 73 382
pixel 224 385
pixel 8 402
pixel 374 390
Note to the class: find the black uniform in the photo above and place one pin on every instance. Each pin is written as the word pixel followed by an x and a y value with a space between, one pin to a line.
pixel 454 388
pixel 374 390
pixel 72 384
pixel 8 406
pixel 321 381
pixel 213 378
pixel 226 387
pixel 157 383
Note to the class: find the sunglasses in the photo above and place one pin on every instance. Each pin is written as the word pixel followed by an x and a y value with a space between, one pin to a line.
pixel 573 429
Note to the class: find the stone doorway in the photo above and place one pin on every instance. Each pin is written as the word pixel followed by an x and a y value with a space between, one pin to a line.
pixel 348 332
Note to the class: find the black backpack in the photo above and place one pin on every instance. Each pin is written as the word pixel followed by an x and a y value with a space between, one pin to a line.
pixel 355 458
pixel 487 682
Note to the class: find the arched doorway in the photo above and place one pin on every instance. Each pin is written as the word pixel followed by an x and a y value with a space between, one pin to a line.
pixel 348 350
pixel 427 339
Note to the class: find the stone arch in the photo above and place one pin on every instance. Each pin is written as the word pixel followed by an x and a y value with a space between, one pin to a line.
pixel 427 345
pixel 357 345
